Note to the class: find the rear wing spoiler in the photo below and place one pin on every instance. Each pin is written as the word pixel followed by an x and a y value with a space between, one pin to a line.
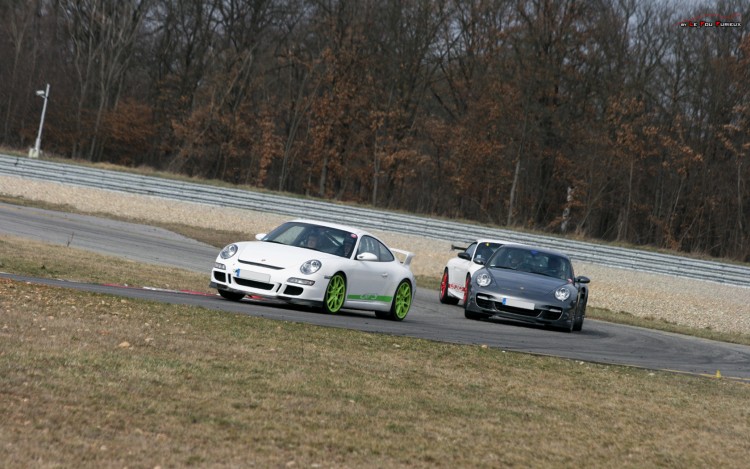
pixel 408 256
pixel 458 248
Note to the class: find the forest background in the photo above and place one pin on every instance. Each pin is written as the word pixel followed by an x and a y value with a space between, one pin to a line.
pixel 607 119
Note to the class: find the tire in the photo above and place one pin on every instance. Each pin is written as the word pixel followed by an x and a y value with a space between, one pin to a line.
pixel 231 296
pixel 466 288
pixel 445 297
pixel 578 325
pixel 401 301
pixel 571 327
pixel 469 314
pixel 472 315
pixel 335 294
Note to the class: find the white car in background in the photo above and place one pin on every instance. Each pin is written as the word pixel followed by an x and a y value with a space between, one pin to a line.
pixel 324 265
pixel 458 271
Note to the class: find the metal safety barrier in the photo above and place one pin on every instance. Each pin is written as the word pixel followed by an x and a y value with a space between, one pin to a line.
pixel 368 218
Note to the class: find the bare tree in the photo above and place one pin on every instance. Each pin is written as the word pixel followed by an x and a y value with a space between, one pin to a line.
pixel 102 36
pixel 606 116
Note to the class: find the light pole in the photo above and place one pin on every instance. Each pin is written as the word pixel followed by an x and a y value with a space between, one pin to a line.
pixel 34 152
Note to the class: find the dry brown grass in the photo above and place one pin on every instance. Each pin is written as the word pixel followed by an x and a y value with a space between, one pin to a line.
pixel 99 381
pixel 25 257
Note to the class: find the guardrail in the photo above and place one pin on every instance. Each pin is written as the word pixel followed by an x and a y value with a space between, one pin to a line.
pixel 367 218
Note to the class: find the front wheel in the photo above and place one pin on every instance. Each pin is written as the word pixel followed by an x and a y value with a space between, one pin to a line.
pixel 576 314
pixel 445 297
pixel 401 301
pixel 578 325
pixel 335 294
pixel 232 296
pixel 467 313
pixel 472 315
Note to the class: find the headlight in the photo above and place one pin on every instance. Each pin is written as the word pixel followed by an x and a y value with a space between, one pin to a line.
pixel 228 251
pixel 310 267
pixel 483 280
pixel 562 293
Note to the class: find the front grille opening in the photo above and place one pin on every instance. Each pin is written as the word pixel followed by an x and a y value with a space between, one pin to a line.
pixel 220 277
pixel 253 284
pixel 551 315
pixel 484 303
pixel 292 290
pixel 532 313
pixel 490 305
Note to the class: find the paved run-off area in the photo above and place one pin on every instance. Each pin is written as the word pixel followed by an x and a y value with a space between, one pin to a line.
pixel 682 301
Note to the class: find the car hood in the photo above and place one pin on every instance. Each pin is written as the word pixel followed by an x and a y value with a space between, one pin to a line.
pixel 280 256
pixel 512 281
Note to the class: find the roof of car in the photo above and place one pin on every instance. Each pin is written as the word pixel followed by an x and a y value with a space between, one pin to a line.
pixel 496 241
pixel 537 248
pixel 351 229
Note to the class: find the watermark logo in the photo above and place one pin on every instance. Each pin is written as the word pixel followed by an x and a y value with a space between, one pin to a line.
pixel 713 21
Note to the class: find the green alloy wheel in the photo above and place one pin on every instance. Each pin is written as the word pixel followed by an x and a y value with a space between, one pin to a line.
pixel 335 294
pixel 401 301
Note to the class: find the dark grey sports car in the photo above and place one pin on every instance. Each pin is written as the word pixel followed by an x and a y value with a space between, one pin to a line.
pixel 528 284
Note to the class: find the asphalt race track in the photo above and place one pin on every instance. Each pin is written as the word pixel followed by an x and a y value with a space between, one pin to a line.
pixel 599 341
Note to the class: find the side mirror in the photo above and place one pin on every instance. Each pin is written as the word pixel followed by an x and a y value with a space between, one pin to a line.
pixel 582 279
pixel 479 260
pixel 367 256
pixel 464 255
pixel 260 236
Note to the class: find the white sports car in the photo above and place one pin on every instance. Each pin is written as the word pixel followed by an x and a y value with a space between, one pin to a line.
pixel 457 274
pixel 324 265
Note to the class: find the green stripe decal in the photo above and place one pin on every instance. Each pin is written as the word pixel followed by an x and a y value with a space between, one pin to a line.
pixel 382 299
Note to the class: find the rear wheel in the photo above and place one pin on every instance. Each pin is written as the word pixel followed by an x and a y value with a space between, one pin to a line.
pixel 401 301
pixel 335 294
pixel 232 296
pixel 445 297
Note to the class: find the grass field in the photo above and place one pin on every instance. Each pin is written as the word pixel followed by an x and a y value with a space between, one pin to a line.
pixel 99 381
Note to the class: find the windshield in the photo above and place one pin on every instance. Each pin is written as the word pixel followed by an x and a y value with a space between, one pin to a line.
pixel 315 237
pixel 532 261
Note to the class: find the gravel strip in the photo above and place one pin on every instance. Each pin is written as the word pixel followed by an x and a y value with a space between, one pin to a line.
pixel 682 301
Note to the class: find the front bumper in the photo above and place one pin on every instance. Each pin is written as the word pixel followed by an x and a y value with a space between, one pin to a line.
pixel 274 285
pixel 494 305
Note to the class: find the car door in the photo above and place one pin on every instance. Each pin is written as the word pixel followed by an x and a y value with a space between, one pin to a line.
pixel 372 275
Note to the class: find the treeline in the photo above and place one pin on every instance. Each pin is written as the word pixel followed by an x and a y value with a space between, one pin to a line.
pixel 603 118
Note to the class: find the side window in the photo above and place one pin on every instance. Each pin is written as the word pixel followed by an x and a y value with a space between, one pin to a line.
pixel 372 245
pixel 485 251
pixel 365 245
pixel 470 250
pixel 384 254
